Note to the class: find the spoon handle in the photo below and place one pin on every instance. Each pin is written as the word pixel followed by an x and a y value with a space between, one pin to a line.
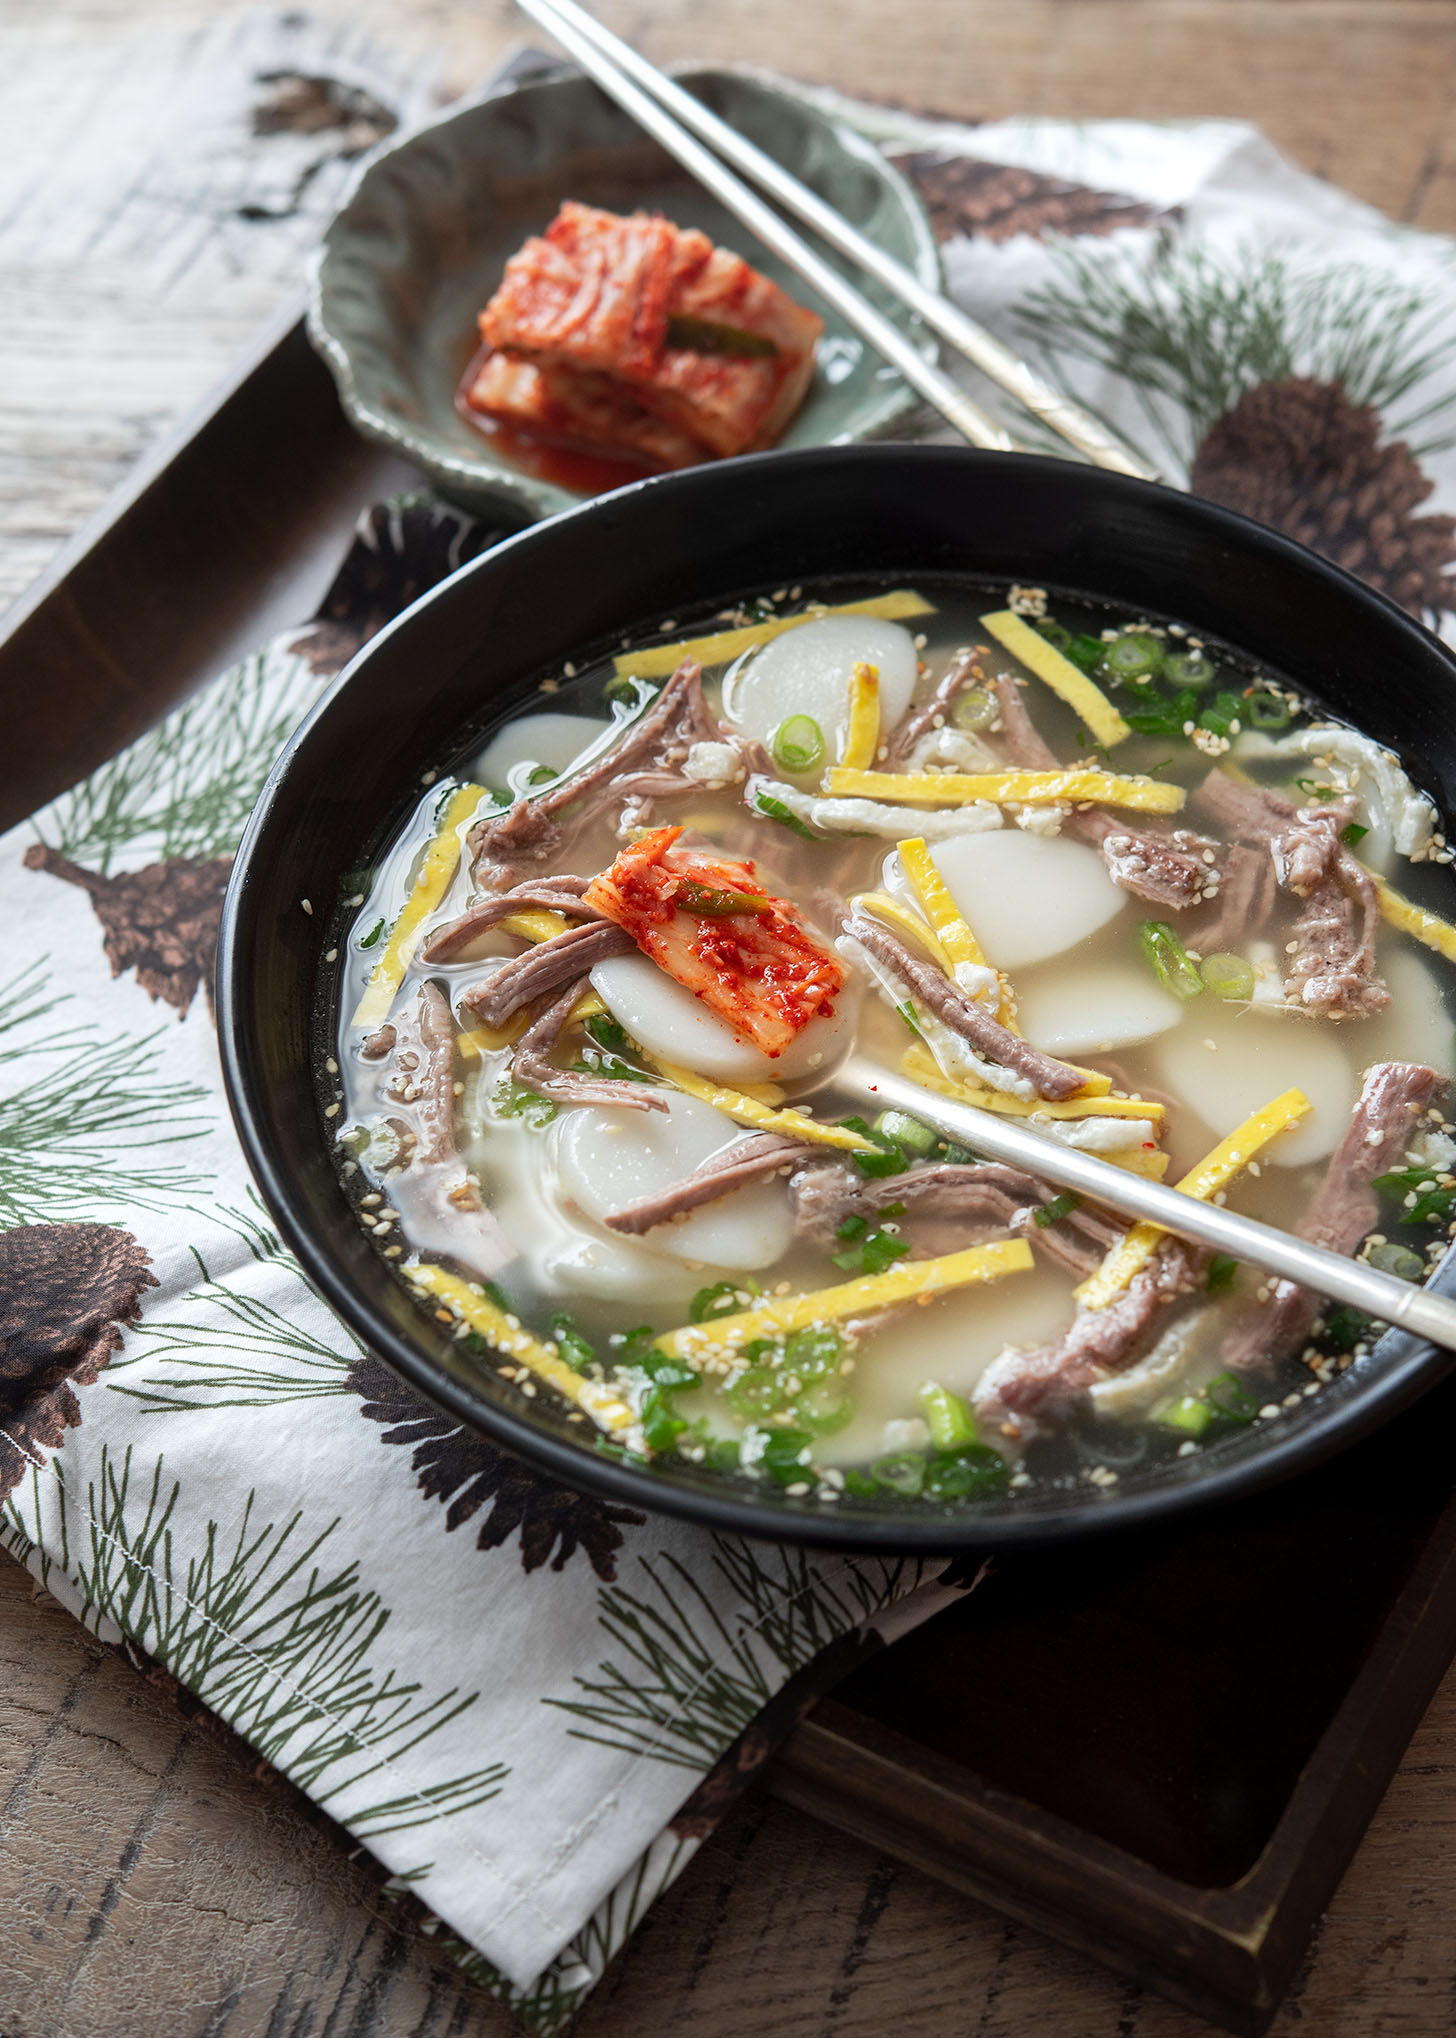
pixel 1382 1296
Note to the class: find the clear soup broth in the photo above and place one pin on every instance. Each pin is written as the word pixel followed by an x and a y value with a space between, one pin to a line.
pixel 1070 863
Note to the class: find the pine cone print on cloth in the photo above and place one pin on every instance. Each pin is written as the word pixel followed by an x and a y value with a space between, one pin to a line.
pixel 455 1466
pixel 1301 456
pixel 64 1291
pixel 997 201
pixel 401 549
pixel 162 921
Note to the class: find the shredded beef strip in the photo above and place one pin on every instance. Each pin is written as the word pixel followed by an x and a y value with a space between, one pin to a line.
pixel 1097 1342
pixel 530 1066
pixel 1332 968
pixel 550 895
pixel 746 1160
pixel 1170 869
pixel 950 1198
pixel 542 970
pixel 421 1078
pixel 963 1014
pixel 1244 901
pixel 933 712
pixel 1342 1210
pixel 646 761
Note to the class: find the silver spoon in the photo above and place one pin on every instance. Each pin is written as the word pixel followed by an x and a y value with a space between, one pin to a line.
pixel 1383 1296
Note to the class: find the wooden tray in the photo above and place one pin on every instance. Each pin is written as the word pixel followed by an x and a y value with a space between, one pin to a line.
pixel 1163 1749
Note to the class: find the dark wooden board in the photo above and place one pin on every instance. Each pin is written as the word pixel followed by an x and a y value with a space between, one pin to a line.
pixel 1162 1750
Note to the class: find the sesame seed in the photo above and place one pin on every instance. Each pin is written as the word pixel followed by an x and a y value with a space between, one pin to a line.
pixel 307 906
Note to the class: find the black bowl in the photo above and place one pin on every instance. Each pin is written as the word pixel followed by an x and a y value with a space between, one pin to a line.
pixel 675 546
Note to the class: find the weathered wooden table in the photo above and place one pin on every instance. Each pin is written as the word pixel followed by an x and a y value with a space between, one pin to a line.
pixel 152 1879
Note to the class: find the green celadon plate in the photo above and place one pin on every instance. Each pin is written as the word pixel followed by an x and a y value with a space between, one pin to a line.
pixel 418 248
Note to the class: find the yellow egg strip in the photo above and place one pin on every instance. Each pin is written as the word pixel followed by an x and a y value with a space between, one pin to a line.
pixel 1086 700
pixel 658 660
pixel 1214 1172
pixel 534 924
pixel 503 1333
pixel 748 1110
pixel 945 916
pixel 475 1042
pixel 1073 787
pixel 920 1065
pixel 698 1343
pixel 885 908
pixel 433 879
pixel 1415 920
pixel 864 715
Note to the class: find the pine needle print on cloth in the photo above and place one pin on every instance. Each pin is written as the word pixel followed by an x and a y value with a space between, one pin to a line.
pixel 414 1627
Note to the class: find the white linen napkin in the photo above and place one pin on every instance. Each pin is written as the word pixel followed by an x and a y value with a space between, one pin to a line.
pixel 529 1704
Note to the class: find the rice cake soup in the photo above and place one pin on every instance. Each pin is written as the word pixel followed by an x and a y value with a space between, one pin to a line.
pixel 1076 866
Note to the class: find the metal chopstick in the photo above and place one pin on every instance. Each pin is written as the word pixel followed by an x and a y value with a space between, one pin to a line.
pixel 572 25
pixel 954 405
pixel 1383 1296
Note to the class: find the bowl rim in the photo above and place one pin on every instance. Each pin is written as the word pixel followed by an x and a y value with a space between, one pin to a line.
pixel 490 486
pixel 1402 1368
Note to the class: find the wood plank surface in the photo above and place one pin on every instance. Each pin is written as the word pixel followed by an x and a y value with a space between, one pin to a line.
pixel 152 1878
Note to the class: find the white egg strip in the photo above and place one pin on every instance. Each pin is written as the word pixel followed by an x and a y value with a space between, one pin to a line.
pixel 1026 896
pixel 807 672
pixel 873 817
pixel 609 1159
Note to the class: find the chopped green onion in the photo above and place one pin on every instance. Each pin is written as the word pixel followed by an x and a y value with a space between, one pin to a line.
pixel 952 1425
pixel 872 1255
pixel 965 1474
pixel 571 1344
pixel 661 1423
pixel 722 1299
pixel 606 1032
pixel 907 1132
pixel 1227 1395
pixel 1138 655
pixel 1169 960
pixel 1432 1202
pixel 1189 668
pixel 514 1100
pixel 959 1156
pixel 712 336
pixel 786 1456
pixel 663 1370
pixel 714 904
pixel 1343 1326
pixel 853 1227
pixel 1224 715
pixel 901 1471
pixel 1265 710
pixel 824 1407
pixel 1084 651
pixel 1353 835
pixel 890 1160
pixel 542 774
pixel 1058 1208
pixel 813 1351
pixel 798 744
pixel 1192 1415
pixel 1398 1260
pixel 775 810
pixel 1221 1270
pixel 976 709
pixel 1053 632
pixel 762 1390
pixel 1313 790
pixel 1228 976
pixel 373 935
pixel 907 1013
pixel 724 1454
pixel 596 1062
